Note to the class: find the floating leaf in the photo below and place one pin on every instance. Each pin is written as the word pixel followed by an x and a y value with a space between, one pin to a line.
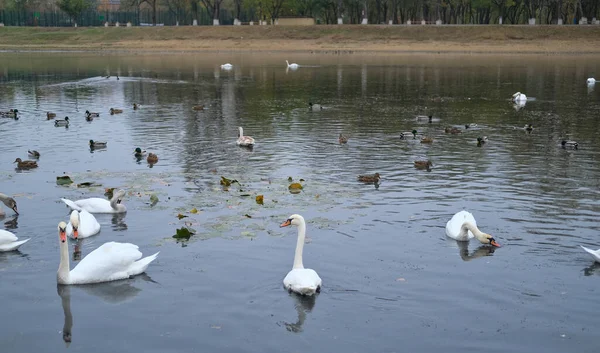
pixel 247 215
pixel 183 233
pixel 180 216
pixel 260 199
pixel 193 210
pixel 64 180
pixel 153 199
pixel 87 184
pixel 227 182
pixel 301 180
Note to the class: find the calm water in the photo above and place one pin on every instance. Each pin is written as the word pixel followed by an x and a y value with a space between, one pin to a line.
pixel 392 280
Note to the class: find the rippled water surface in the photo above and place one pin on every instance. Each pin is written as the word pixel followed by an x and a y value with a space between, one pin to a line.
pixel 392 280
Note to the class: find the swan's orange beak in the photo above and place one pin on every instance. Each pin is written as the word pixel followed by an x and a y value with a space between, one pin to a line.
pixel 286 223
pixel 75 233
pixel 494 243
pixel 63 236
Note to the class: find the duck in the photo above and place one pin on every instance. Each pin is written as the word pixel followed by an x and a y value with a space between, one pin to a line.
pixel 481 141
pixel 152 158
pixel 244 141
pixel 591 81
pixel 93 115
pixel 429 118
pixel 139 153
pixel 300 280
pixel 369 178
pixel 63 122
pixel 98 144
pixel 111 261
pixel 343 139
pixel 33 153
pixel 9 202
pixel 198 107
pixel 9 241
pixel 21 164
pixel 407 135
pixel 423 164
pixel 463 227
pixel 314 107
pixel 519 97
pixel 569 144
pixel 50 115
pixel 595 253
pixel 13 113
pixel 227 66
pixel 528 128
pixel 89 118
pixel 114 111
pixel 452 130
pixel 136 106
pixel 82 225
pixel 99 205
pixel 292 66
pixel 468 126
pixel 427 139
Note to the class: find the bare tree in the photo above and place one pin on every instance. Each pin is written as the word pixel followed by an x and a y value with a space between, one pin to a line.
pixel 213 7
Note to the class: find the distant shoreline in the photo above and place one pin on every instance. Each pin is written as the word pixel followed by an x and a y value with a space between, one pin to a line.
pixel 321 39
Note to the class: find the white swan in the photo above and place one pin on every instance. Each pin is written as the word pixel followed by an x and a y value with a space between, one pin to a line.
pixel 110 262
pixel 462 227
pixel 9 202
pixel 98 205
pixel 314 107
pixel 595 254
pixel 245 141
pixel 292 66
pixel 519 97
pixel 300 280
pixel 591 81
pixel 82 225
pixel 227 66
pixel 9 241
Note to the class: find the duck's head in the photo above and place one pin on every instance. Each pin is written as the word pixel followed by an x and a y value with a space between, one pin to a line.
pixel 19 160
pixel 75 223
pixel 563 142
pixel 66 118
pixel 138 150
pixel 414 132
pixel 294 219
pixel 91 142
pixel 62 232
pixel 310 104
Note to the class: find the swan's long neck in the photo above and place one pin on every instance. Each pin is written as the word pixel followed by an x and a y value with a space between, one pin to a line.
pixel 64 268
pixel 300 246
pixel 241 131
pixel 288 63
pixel 473 228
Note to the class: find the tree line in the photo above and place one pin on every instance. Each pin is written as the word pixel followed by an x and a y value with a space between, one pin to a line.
pixel 349 11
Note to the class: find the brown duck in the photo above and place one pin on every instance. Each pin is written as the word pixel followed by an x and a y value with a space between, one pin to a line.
pixel 369 178
pixel 427 139
pixel 21 164
pixel 343 139
pixel 423 164
pixel 452 130
pixel 152 158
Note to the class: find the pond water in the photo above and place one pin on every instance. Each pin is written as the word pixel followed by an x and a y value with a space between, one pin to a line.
pixel 392 280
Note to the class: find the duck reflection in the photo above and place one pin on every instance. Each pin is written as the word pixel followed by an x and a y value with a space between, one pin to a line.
pixel 482 251
pixel 304 304
pixel 115 292
pixel 593 269
pixel 118 221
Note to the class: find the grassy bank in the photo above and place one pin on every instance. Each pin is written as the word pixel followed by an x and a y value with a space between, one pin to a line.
pixel 348 38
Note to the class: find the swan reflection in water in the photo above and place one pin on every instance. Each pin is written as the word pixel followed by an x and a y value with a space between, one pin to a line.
pixel 11 223
pixel 481 251
pixel 118 221
pixel 304 304
pixel 115 292
pixel 593 269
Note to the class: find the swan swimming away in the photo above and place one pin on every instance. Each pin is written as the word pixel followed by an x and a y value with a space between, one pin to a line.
pixel 9 241
pixel 244 141
pixel 463 227
pixel 519 97
pixel 227 66
pixel 595 253
pixel 292 66
pixel 82 225
pixel 9 202
pixel 591 81
pixel 110 262
pixel 300 280
pixel 98 205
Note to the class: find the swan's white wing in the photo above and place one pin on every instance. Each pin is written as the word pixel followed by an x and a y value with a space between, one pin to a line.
pixel 302 281
pixel 88 225
pixel 71 204
pixel 95 205
pixel 455 223
pixel 109 262
pixel 7 237
pixel 595 253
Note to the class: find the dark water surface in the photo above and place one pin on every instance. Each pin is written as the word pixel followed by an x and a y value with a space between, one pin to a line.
pixel 392 280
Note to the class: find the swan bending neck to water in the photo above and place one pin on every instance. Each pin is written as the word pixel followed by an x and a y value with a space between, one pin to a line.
pixel 591 81
pixel 519 97
pixel 300 280
pixel 9 202
pixel 292 66
pixel 110 262
pixel 463 227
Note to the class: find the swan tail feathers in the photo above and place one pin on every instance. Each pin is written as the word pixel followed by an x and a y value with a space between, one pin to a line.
pixel 595 254
pixel 141 265
pixel 71 204
pixel 13 246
